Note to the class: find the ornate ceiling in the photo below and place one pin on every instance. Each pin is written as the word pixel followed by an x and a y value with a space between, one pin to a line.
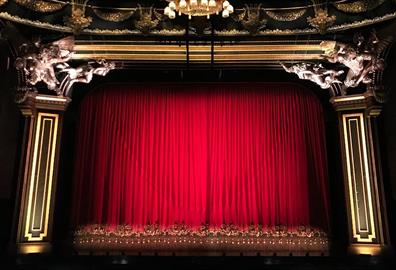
pixel 251 17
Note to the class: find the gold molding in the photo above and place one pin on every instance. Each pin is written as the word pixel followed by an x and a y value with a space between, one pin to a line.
pixel 366 183
pixel 32 198
pixel 245 51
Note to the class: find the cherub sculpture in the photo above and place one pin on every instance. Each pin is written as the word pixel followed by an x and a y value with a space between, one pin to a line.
pixel 362 58
pixel 315 73
pixel 38 61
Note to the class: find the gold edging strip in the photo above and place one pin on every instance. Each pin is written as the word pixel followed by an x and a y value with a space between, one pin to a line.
pixel 49 177
pixel 356 235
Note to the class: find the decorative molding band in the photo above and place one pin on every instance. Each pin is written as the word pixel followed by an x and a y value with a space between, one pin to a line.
pixel 223 53
pixel 175 32
pixel 227 238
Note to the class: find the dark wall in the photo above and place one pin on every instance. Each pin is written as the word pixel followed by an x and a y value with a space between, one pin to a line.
pixel 10 136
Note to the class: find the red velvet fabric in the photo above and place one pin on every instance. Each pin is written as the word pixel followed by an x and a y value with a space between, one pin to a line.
pixel 242 154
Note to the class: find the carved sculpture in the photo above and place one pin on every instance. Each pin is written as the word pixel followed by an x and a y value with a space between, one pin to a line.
pixel 315 73
pixel 363 58
pixel 48 62
pixel 38 61
pixel 82 74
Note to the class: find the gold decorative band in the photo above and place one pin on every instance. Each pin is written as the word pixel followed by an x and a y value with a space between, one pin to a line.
pixel 41 177
pixel 359 181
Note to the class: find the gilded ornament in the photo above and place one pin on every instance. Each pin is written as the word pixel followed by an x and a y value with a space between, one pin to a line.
pixel 2 2
pixel 285 15
pixel 41 5
pixel 322 21
pixel 251 19
pixel 358 6
pixel 78 21
pixel 146 22
pixel 113 15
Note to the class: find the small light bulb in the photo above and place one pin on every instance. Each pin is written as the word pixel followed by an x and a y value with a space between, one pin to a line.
pixel 212 3
pixel 204 2
pixel 230 9
pixel 193 2
pixel 172 5
pixel 226 4
pixel 172 15
pixel 166 11
pixel 225 13
pixel 182 4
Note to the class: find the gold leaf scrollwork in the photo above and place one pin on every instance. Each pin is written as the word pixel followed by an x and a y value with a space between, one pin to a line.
pixel 146 23
pixel 322 21
pixel 78 21
pixel 251 19
pixel 286 15
pixel 40 5
pixel 114 15
pixel 358 6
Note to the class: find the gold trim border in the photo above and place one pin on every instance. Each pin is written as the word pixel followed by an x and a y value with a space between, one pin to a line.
pixel 351 181
pixel 48 177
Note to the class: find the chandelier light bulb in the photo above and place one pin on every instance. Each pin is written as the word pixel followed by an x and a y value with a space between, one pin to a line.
pixel 183 3
pixel 193 2
pixel 225 13
pixel 226 4
pixel 204 2
pixel 212 3
pixel 172 14
pixel 172 5
pixel 166 11
pixel 230 9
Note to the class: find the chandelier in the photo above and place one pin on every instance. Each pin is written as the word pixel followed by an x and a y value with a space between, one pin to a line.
pixel 198 8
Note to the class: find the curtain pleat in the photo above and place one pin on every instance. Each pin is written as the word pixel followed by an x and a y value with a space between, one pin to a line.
pixel 242 154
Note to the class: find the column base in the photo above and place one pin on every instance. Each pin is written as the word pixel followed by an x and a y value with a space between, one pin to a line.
pixel 367 249
pixel 28 248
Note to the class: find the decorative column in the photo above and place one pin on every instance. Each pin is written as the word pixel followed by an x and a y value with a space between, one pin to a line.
pixel 364 194
pixel 40 156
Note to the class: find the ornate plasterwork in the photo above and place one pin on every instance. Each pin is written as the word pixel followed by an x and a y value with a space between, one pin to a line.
pixel 322 20
pixel 286 15
pixel 48 63
pixel 363 63
pixel 176 32
pixel 113 15
pixel 41 5
pixel 251 19
pixel 148 20
pixel 314 72
pixel 358 6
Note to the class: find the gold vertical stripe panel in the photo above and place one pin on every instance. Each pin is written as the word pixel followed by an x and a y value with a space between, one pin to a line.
pixel 361 234
pixel 46 123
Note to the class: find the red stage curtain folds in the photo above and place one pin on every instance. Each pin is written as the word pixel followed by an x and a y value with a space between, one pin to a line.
pixel 193 154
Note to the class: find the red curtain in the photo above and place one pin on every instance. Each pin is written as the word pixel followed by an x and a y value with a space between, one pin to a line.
pixel 242 154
